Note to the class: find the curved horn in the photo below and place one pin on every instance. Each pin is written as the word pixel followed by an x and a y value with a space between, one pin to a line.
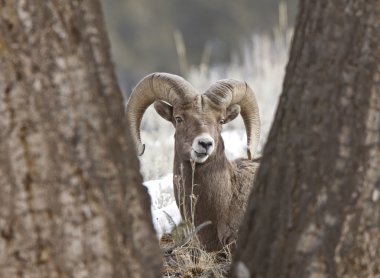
pixel 230 92
pixel 156 86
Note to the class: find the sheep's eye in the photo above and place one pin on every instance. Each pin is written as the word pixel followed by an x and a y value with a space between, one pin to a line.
pixel 221 121
pixel 178 120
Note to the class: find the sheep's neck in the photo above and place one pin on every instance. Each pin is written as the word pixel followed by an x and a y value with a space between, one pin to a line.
pixel 210 183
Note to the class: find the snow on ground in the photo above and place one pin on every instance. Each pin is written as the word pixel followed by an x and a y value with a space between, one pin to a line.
pixel 161 191
pixel 165 218
pixel 164 207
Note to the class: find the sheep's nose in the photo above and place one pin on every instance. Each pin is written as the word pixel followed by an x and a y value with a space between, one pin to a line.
pixel 205 143
pixel 202 147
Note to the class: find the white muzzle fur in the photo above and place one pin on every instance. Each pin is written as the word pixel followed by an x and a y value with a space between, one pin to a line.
pixel 202 147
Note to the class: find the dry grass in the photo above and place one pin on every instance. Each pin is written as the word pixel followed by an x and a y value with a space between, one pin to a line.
pixel 184 255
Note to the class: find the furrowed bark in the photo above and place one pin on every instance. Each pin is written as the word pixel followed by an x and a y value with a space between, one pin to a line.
pixel 315 208
pixel 71 200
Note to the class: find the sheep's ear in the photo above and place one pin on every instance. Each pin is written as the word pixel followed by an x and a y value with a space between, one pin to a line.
pixel 164 109
pixel 232 112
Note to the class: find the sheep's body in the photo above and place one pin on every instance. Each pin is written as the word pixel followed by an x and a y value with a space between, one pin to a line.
pixel 221 187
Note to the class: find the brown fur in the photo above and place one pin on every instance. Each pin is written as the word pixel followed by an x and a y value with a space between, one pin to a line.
pixel 221 186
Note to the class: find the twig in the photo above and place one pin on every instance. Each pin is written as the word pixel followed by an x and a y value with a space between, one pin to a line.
pixel 187 239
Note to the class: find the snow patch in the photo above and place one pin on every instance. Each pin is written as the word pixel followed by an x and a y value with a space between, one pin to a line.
pixel 165 212
pixel 166 218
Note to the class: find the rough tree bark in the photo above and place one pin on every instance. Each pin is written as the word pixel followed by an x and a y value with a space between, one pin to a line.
pixel 315 208
pixel 71 200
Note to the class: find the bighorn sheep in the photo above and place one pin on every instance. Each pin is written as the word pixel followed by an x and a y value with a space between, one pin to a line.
pixel 222 187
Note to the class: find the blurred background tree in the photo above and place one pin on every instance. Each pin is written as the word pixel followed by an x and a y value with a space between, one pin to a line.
pixel 146 36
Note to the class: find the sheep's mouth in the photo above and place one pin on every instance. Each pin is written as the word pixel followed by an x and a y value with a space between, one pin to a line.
pixel 199 157
pixel 200 154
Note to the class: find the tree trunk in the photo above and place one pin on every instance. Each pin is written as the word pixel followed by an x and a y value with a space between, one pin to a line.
pixel 315 208
pixel 71 200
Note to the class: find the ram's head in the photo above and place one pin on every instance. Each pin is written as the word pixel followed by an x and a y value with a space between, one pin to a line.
pixel 197 118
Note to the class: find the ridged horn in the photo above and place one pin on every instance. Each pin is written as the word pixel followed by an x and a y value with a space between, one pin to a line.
pixel 156 86
pixel 227 92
